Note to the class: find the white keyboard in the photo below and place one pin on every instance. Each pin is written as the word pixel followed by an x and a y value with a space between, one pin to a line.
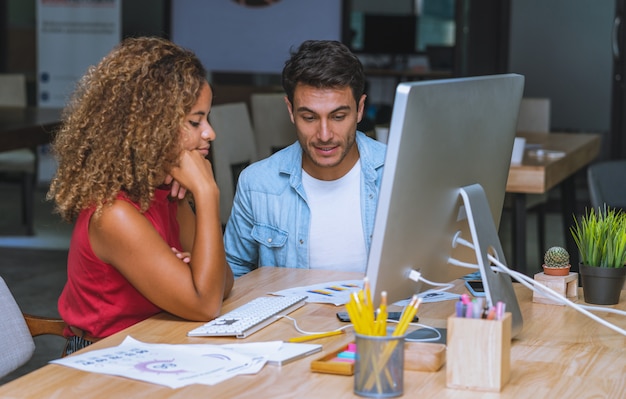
pixel 250 317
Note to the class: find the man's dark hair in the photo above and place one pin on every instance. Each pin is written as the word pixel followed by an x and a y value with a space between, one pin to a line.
pixel 323 64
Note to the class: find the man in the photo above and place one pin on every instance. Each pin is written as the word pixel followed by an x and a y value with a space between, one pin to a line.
pixel 312 205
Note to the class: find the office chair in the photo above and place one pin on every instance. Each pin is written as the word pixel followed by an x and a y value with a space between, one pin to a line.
pixel 17 331
pixel 273 128
pixel 534 115
pixel 21 163
pixel 607 184
pixel 233 149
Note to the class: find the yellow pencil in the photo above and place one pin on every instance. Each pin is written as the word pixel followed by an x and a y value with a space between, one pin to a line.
pixel 315 336
pixel 381 316
pixel 407 316
pixel 355 317
pixel 354 308
pixel 368 294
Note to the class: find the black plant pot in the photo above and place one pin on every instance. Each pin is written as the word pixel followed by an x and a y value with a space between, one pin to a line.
pixel 602 285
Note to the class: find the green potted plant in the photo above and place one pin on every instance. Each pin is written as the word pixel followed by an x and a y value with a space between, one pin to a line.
pixel 600 236
pixel 556 262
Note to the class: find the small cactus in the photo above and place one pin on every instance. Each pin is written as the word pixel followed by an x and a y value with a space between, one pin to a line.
pixel 556 257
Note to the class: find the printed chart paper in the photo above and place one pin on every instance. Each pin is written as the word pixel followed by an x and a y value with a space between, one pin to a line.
pixel 334 292
pixel 174 366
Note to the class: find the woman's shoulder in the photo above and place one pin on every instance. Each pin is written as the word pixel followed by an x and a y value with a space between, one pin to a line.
pixel 118 211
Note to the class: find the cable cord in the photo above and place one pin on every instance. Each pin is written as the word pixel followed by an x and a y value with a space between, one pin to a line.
pixel 417 277
pixel 436 338
pixel 295 324
pixel 536 286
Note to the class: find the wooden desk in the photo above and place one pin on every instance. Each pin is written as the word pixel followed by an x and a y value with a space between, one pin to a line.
pixel 560 353
pixel 27 127
pixel 537 175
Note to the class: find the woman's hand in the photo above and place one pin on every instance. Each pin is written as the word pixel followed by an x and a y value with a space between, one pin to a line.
pixel 184 256
pixel 176 190
pixel 194 173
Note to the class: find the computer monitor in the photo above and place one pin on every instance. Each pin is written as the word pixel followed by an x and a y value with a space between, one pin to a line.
pixel 446 138
pixel 389 34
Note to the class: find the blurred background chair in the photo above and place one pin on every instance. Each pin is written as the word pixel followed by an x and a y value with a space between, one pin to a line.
pixel 607 184
pixel 17 331
pixel 233 149
pixel 19 165
pixel 534 116
pixel 273 128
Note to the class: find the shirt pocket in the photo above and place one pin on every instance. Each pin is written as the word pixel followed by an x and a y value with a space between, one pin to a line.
pixel 269 236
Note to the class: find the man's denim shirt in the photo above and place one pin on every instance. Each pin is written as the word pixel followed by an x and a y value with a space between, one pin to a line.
pixel 270 219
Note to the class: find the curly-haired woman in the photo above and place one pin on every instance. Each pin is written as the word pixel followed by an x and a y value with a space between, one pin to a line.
pixel 132 156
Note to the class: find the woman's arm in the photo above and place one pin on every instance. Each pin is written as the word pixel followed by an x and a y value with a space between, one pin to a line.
pixel 124 238
pixel 188 226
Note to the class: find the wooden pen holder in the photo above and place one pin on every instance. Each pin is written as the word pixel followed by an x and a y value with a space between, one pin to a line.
pixel 478 353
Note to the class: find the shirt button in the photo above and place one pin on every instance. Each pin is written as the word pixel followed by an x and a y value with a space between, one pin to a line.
pixel 301 241
pixel 269 240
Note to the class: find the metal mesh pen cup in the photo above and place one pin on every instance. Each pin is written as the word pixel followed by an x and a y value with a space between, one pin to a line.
pixel 379 366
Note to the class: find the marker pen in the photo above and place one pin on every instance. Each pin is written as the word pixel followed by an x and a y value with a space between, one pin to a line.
pixel 460 308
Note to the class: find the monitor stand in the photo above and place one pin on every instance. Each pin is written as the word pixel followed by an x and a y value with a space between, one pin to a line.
pixel 498 285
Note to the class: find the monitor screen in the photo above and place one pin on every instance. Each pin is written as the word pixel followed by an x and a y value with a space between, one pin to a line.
pixel 444 135
pixel 389 34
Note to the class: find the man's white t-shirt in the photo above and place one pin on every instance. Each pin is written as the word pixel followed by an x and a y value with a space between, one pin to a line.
pixel 336 237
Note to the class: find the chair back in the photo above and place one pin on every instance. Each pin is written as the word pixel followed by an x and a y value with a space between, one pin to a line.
pixel 607 184
pixel 12 90
pixel 534 115
pixel 13 94
pixel 233 149
pixel 16 343
pixel 272 125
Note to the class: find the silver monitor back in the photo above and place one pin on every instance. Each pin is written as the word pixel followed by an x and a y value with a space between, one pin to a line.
pixel 444 135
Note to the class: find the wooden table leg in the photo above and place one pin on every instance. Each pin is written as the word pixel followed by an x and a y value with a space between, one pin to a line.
pixel 519 232
pixel 568 207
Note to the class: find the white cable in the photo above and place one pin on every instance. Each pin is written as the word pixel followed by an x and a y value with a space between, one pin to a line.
pixel 457 262
pixel 417 277
pixel 295 324
pixel 444 286
pixel 544 290
pixel 548 292
pixel 435 338
pixel 540 286
pixel 603 309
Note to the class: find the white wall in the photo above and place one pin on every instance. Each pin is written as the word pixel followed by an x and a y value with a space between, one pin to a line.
pixel 229 37
pixel 563 47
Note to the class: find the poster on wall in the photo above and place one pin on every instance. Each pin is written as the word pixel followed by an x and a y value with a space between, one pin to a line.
pixel 252 36
pixel 71 36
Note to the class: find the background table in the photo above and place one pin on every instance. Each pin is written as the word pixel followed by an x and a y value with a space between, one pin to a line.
pixel 537 175
pixel 27 127
pixel 559 354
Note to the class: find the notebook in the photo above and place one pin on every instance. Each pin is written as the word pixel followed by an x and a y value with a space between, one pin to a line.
pixel 278 353
pixel 290 351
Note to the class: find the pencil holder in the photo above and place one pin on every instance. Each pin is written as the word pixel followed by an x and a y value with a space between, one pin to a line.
pixel 379 366
pixel 479 353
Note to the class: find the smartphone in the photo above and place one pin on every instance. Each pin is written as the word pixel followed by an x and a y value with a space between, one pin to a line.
pixel 475 287
pixel 343 316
